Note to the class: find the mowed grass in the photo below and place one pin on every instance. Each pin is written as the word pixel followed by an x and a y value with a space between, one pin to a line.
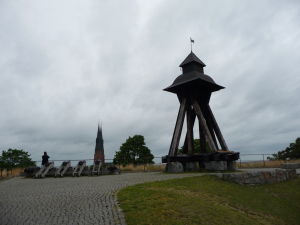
pixel 209 200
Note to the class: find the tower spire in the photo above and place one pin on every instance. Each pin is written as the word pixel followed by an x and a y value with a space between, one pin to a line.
pixel 99 148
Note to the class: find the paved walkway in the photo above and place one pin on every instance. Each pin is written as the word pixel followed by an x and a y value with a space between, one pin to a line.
pixel 82 200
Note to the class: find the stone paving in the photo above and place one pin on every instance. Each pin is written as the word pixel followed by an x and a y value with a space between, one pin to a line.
pixel 69 200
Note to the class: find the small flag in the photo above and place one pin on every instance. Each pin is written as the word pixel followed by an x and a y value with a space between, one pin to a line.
pixel 192 41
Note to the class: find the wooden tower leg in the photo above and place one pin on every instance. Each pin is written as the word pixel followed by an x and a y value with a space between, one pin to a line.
pixel 178 128
pixel 217 130
pixel 202 139
pixel 210 124
pixel 203 125
pixel 189 133
pixel 185 145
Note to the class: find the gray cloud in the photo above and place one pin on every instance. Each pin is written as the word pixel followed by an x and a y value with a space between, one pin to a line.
pixel 65 65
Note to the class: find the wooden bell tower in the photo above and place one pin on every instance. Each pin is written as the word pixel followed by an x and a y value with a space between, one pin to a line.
pixel 193 89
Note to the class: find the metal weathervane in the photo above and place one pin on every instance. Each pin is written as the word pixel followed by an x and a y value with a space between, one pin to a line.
pixel 192 42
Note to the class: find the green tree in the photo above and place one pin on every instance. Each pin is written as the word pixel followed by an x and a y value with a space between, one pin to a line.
pixel 197 147
pixel 133 151
pixel 291 152
pixel 15 158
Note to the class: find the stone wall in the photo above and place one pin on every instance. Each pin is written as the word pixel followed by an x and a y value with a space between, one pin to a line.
pixel 260 177
pixel 178 167
pixel 220 165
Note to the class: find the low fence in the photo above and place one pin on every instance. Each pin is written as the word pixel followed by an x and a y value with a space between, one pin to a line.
pixel 260 161
pixel 245 161
pixel 11 173
pixel 257 161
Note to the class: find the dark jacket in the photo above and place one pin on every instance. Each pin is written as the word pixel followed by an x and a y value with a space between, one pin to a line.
pixel 45 159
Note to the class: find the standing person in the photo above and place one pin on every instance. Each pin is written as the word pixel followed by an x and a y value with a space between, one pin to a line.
pixel 45 158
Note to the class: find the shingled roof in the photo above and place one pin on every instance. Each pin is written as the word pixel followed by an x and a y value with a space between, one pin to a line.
pixel 193 77
pixel 192 58
pixel 196 78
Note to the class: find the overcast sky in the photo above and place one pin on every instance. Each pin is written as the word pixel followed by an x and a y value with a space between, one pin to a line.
pixel 66 65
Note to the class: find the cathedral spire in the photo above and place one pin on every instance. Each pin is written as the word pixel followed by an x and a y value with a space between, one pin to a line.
pixel 99 133
pixel 99 147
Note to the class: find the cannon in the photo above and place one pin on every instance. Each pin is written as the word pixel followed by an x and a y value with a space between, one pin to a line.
pixel 44 170
pixel 110 168
pixel 96 170
pixel 31 171
pixel 79 168
pixel 63 169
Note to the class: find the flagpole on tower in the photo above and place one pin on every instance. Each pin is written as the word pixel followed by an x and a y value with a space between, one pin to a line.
pixel 192 42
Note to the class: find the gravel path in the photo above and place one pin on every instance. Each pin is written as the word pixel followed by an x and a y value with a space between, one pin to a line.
pixel 83 200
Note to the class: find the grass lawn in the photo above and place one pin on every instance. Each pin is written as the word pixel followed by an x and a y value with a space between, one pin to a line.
pixel 209 200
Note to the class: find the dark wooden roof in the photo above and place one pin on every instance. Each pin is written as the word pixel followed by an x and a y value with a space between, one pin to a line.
pixel 196 78
pixel 192 58
pixel 193 77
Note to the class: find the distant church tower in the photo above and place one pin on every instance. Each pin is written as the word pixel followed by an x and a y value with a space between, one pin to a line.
pixel 99 149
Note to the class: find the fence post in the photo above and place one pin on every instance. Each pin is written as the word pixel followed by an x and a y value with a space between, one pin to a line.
pixel 240 163
pixel 264 160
